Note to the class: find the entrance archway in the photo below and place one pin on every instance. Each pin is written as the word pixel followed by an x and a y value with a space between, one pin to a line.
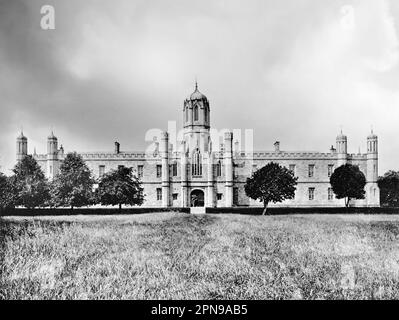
pixel 197 198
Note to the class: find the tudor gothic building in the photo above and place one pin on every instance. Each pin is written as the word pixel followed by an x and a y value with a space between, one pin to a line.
pixel 196 175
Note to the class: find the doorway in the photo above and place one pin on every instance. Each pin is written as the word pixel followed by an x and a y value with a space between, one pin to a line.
pixel 197 198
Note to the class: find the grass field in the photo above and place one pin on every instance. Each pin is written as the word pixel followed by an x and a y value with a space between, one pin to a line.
pixel 180 256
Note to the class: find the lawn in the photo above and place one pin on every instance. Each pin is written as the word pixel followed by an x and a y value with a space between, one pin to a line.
pixel 181 256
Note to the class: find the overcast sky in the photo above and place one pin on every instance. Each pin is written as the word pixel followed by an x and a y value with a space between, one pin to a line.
pixel 294 71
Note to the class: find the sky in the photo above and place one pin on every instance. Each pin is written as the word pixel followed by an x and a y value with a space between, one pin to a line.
pixel 296 71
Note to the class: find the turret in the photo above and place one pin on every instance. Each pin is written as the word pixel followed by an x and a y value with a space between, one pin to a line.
pixel 228 163
pixel 22 146
pixel 52 156
pixel 342 149
pixel 52 144
pixel 372 190
pixel 164 150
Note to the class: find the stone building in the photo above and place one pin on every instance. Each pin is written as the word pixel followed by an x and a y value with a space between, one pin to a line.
pixel 197 175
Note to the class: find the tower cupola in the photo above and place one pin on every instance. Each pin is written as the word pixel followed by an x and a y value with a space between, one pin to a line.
pixel 196 120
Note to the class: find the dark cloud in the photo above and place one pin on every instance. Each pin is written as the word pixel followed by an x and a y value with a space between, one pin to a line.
pixel 114 69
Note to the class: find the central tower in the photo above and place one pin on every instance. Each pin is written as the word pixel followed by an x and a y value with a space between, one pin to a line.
pixel 196 119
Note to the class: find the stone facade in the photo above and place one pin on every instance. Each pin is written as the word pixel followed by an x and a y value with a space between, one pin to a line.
pixel 196 175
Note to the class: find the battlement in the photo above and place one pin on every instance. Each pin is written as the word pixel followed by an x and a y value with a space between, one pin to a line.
pixel 217 155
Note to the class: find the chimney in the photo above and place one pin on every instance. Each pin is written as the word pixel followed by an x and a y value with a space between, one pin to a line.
pixel 277 146
pixel 117 145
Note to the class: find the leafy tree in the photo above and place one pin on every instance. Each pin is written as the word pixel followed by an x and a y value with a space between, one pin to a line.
pixel 389 188
pixel 28 186
pixel 348 183
pixel 73 185
pixel 119 187
pixel 272 183
pixel 5 192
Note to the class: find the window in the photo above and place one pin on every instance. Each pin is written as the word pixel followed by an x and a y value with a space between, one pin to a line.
pixel 330 194
pixel 173 170
pixel 140 171
pixel 196 165
pixel 51 169
pixel 330 169
pixel 174 195
pixel 159 171
pixel 218 169
pixel 196 113
pixel 311 193
pixel 311 170
pixel 101 171
pixel 219 196
pixel 235 196
pixel 206 114
pixel 187 109
pixel 159 194
pixel 292 168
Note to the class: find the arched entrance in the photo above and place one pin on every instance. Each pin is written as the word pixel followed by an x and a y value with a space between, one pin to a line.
pixel 197 198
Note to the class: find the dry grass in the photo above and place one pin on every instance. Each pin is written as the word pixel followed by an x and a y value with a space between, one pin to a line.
pixel 179 256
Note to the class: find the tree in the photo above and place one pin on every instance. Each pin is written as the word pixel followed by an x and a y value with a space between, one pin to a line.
pixel 272 183
pixel 5 192
pixel 348 183
pixel 28 186
pixel 73 185
pixel 389 188
pixel 119 187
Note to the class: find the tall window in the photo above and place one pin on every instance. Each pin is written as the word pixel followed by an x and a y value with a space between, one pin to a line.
pixel 159 194
pixel 196 165
pixel 101 171
pixel 218 169
pixel 219 196
pixel 140 171
pixel 311 170
pixel 206 114
pixel 173 169
pixel 292 168
pixel 187 109
pixel 311 193
pixel 196 113
pixel 330 169
pixel 159 171
pixel 330 194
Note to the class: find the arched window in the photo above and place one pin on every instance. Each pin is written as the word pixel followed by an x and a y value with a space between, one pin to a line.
pixel 206 114
pixel 196 164
pixel 218 169
pixel 196 113
pixel 186 110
